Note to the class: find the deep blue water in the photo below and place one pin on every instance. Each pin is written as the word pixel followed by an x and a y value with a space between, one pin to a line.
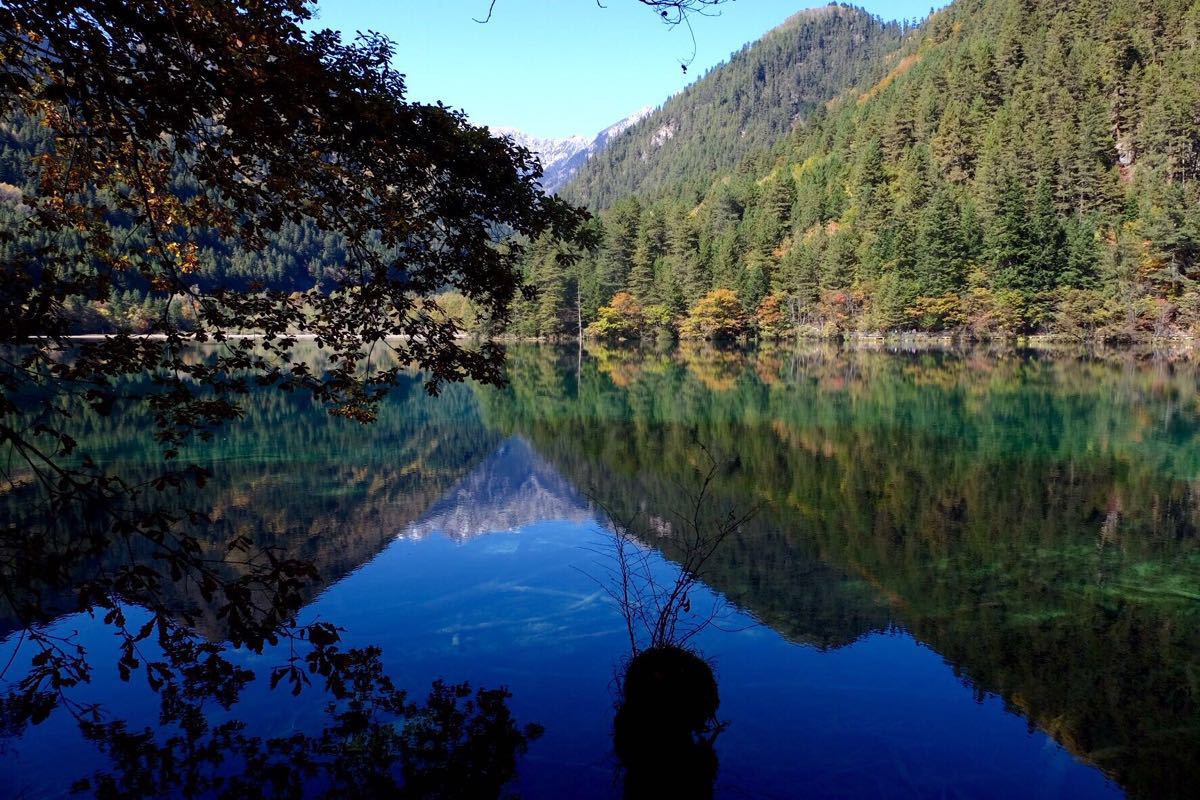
pixel 921 608
pixel 883 717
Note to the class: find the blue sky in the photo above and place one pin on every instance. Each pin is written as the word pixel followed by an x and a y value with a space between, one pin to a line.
pixel 560 67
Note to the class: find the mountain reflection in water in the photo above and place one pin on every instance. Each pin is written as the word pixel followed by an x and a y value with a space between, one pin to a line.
pixel 971 575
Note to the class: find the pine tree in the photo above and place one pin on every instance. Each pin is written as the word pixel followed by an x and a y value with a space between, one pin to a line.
pixel 1082 255
pixel 1174 240
pixel 1047 242
pixel 620 241
pixel 837 262
pixel 753 282
pixel 775 213
pixel 1007 236
pixel 942 255
pixel 953 146
pixel 727 260
pixel 651 246
pixel 683 256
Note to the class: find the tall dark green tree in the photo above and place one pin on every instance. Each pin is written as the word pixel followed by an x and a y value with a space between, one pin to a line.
pixel 1007 239
pixel 615 260
pixel 774 215
pixel 690 277
pixel 1046 255
pixel 942 254
pixel 649 249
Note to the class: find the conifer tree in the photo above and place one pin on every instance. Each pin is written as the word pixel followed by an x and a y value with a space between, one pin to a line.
pixel 620 242
pixel 942 254
pixel 1047 241
pixel 1007 237
pixel 651 246
pixel 683 257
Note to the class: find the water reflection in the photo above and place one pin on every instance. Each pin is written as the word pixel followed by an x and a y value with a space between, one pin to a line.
pixel 1033 520
pixel 200 585
pixel 1030 522
pixel 666 725
pixel 375 743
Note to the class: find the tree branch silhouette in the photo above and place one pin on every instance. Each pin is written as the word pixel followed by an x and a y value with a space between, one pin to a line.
pixel 672 12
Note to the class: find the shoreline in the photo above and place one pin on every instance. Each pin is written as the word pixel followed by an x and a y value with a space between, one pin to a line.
pixel 1042 341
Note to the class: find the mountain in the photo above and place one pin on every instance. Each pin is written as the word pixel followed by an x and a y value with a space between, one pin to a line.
pixel 744 105
pixel 1019 167
pixel 512 488
pixel 552 153
pixel 562 158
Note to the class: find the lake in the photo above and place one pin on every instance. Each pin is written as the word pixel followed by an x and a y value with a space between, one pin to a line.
pixel 954 574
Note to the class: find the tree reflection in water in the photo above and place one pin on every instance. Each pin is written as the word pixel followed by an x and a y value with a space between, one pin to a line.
pixel 1032 519
pixel 375 740
pixel 376 743
pixel 666 723
pixel 186 576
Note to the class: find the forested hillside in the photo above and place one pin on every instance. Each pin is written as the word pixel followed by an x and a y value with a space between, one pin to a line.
pixel 1007 167
pixel 1024 166
pixel 740 107
pixel 296 258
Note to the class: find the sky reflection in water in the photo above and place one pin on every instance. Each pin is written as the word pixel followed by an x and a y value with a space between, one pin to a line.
pixel 936 536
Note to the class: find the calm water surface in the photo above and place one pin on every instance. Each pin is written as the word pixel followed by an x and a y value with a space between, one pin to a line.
pixel 969 575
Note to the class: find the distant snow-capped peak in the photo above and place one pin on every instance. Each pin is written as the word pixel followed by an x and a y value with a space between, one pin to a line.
pixel 549 150
pixel 562 158
pixel 616 129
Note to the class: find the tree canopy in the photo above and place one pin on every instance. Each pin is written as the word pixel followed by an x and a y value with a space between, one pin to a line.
pixel 160 131
pixel 188 121
pixel 145 141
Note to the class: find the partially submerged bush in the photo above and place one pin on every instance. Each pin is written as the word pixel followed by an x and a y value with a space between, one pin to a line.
pixel 666 724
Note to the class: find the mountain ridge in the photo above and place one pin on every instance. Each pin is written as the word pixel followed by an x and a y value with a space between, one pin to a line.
pixel 511 489
pixel 745 104
pixel 561 158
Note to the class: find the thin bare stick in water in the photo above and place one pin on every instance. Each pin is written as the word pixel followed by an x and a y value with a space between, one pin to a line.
pixel 654 612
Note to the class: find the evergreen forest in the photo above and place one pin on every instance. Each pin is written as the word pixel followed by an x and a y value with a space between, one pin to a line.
pixel 1003 168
